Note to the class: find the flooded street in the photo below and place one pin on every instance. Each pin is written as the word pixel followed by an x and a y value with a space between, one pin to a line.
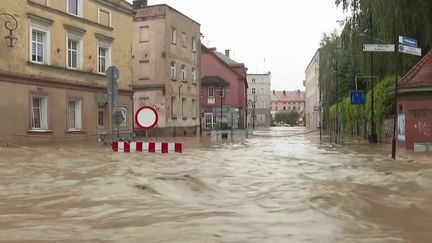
pixel 271 188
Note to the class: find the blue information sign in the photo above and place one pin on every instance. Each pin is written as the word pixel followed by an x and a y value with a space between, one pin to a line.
pixel 357 97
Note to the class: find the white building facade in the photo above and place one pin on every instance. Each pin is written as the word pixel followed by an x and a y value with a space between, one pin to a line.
pixel 312 85
pixel 259 100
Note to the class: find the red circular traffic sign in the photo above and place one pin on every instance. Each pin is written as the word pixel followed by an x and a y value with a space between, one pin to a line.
pixel 146 117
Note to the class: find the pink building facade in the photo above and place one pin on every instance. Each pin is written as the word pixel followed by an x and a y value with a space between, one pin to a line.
pixel 223 91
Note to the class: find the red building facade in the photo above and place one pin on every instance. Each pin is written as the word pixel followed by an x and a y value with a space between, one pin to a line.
pixel 415 106
pixel 224 91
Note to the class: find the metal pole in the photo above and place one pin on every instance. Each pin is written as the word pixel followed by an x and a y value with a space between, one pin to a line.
pixel 373 136
pixel 337 98
pixel 221 101
pixel 112 99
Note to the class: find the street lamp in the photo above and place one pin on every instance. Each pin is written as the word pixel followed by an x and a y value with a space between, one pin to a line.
pixel 11 24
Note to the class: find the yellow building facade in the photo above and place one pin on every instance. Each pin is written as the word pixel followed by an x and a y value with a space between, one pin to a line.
pixel 166 73
pixel 53 80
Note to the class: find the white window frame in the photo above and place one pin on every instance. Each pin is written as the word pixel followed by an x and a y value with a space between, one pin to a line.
pixel 43 113
pixel 193 73
pixel 46 44
pixel 210 92
pixel 221 92
pixel 184 73
pixel 173 71
pixel 253 91
pixel 77 38
pixel 80 8
pixel 105 10
pixel 77 109
pixel 194 44
pixel 173 35
pixel 107 56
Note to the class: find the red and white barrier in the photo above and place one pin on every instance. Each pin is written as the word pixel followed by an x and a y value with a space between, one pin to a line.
pixel 160 148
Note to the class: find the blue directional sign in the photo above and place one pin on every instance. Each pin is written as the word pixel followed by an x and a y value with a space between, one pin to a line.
pixel 357 97
pixel 407 41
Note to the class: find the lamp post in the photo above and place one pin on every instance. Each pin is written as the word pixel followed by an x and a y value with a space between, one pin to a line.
pixel 373 138
pixel 11 24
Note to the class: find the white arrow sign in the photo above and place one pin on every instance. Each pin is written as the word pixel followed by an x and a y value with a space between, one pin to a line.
pixel 379 47
pixel 410 50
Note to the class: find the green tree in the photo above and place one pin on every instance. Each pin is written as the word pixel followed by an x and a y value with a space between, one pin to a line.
pixel 288 117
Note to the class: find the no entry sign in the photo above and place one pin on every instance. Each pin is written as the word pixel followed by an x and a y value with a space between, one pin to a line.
pixel 146 117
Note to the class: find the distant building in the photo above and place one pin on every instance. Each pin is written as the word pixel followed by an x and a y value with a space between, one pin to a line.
pixel 224 85
pixel 283 101
pixel 313 112
pixel 259 100
pixel 53 83
pixel 166 64
pixel 415 106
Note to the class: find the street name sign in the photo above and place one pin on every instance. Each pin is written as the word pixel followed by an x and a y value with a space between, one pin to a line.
pixel 407 41
pixel 378 47
pixel 357 97
pixel 410 50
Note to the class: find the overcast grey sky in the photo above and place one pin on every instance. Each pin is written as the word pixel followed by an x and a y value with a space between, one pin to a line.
pixel 284 33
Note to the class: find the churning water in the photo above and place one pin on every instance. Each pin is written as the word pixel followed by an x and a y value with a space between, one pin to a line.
pixel 271 188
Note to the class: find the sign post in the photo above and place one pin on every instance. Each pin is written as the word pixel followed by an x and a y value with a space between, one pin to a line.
pixel 113 75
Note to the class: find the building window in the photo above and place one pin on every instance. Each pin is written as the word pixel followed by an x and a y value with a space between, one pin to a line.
pixel 193 75
pixel 144 70
pixel 221 92
pixel 194 44
pixel 40 44
pixel 183 72
pixel 211 92
pixel 253 105
pixel 144 34
pixel 74 52
pixel 173 35
pixel 173 71
pixel 75 7
pixel 101 119
pixel 173 107
pixel 253 80
pixel 104 58
pixel 124 111
pixel 74 115
pixel 184 40
pixel 104 17
pixel 184 108
pixel 39 113
pixel 194 109
pixel 253 91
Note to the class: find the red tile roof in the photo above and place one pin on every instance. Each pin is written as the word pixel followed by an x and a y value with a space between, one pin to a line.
pixel 289 96
pixel 420 75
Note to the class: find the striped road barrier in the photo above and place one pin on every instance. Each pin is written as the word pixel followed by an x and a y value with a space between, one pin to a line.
pixel 159 148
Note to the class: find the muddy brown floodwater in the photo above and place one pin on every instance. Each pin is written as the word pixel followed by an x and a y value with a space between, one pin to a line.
pixel 271 188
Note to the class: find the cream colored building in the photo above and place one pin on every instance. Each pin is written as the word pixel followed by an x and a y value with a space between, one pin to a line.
pixel 53 82
pixel 313 108
pixel 166 51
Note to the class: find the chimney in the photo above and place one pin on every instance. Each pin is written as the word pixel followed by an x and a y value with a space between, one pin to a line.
pixel 274 91
pixel 284 93
pixel 227 52
pixel 298 92
pixel 139 4
pixel 213 49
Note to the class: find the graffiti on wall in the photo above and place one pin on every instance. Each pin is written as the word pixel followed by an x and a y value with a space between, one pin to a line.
pixel 387 130
pixel 423 120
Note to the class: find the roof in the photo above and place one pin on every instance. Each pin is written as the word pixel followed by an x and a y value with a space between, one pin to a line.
pixel 141 13
pixel 420 75
pixel 214 81
pixel 289 96
pixel 226 59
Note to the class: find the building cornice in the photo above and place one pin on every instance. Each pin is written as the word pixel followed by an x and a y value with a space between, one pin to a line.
pixel 53 82
pixel 79 19
pixel 119 5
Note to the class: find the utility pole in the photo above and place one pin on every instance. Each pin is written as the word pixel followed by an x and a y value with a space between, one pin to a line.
pixel 337 96
pixel 373 136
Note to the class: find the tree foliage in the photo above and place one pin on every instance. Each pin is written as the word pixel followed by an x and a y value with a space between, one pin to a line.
pixel 342 58
pixel 288 117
